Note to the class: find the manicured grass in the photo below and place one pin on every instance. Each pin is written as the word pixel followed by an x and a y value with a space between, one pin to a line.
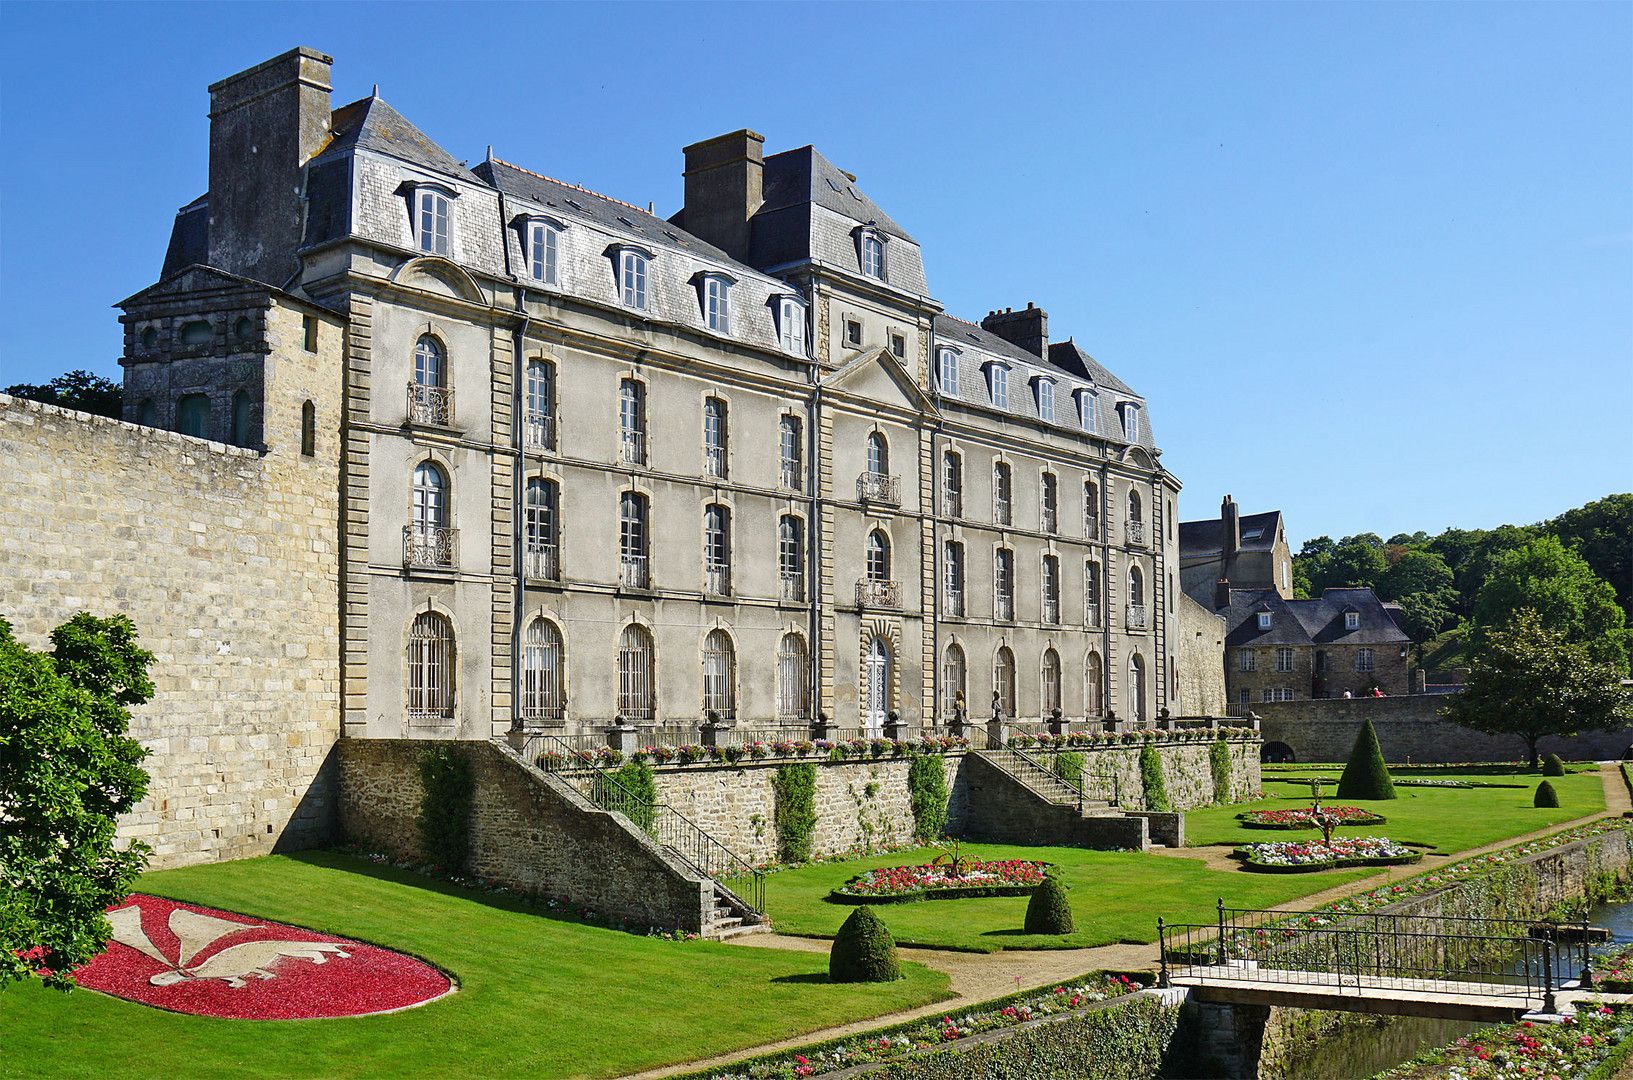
pixel 538 997
pixel 1444 819
pixel 1115 896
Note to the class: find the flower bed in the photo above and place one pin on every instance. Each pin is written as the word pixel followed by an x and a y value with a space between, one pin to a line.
pixel 906 884
pixel 1299 857
pixel 1614 973
pixel 1571 1048
pixel 1304 817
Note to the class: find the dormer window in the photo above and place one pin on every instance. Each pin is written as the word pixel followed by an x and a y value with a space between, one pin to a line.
pixel 1086 406
pixel 1264 620
pixel 1131 421
pixel 791 325
pixel 541 244
pixel 715 294
pixel 431 214
pixel 998 384
pixel 947 370
pixel 1352 620
pixel 1046 400
pixel 632 265
pixel 873 254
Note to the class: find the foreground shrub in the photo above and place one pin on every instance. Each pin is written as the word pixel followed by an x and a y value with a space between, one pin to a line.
pixel 863 951
pixel 444 820
pixel 631 789
pixel 1049 912
pixel 1366 776
pixel 1552 766
pixel 1546 795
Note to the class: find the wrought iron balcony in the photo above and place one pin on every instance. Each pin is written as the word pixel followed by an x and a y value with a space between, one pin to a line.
pixel 717 580
pixel 430 405
pixel 1050 520
pixel 1091 613
pixel 793 477
pixel 879 488
pixel 1136 617
pixel 542 562
pixel 1135 531
pixel 1003 607
pixel 1051 611
pixel 793 588
pixel 1000 512
pixel 430 546
pixel 955 504
pixel 632 447
pixel 714 462
pixel 1091 526
pixel 633 572
pixel 955 603
pixel 539 431
pixel 879 594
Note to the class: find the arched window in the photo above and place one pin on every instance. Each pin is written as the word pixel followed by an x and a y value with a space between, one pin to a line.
pixel 539 420
pixel 1136 587
pixel 719 675
pixel 878 556
pixel 1051 682
pixel 637 688
pixel 430 366
pixel 952 484
pixel 1094 684
pixel 429 399
pixel 948 378
pixel 427 539
pixel 193 415
pixel 541 550
pixel 1136 687
pixel 544 693
pixel 632 542
pixel 1003 680
pixel 309 429
pixel 793 679
pixel 876 700
pixel 878 454
pixel 717 549
pixel 1134 505
pixel 952 680
pixel 431 670
pixel 240 418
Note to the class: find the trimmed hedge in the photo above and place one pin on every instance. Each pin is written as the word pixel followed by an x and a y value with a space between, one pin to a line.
pixel 1546 795
pixel 1049 912
pixel 863 951
pixel 1366 776
pixel 1552 766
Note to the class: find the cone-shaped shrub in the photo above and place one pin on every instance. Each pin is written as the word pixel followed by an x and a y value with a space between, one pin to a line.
pixel 1546 795
pixel 1048 912
pixel 1366 776
pixel 1552 766
pixel 863 951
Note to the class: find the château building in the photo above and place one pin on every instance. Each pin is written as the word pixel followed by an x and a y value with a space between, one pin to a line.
pixel 595 465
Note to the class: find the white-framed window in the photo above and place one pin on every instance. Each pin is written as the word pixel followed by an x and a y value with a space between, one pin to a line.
pixel 952 573
pixel 714 437
pixel 878 454
pixel 717 303
pixel 791 557
pixel 1284 659
pixel 1086 410
pixel 633 267
pixel 632 540
pixel 632 421
pixel 429 508
pixel 432 208
pixel 544 686
pixel 1003 679
pixel 793 678
pixel 1046 400
pixel 791 325
pixel 878 556
pixel 952 484
pixel 947 370
pixel 873 255
pixel 1364 660
pixel 717 549
pixel 1352 620
pixel 1003 584
pixel 1264 620
pixel 1246 660
pixel 1277 693
pixel 998 378
pixel 953 677
pixel 541 540
pixel 719 675
pixel 430 368
pixel 1051 589
pixel 543 249
pixel 637 683
pixel 1002 490
pixel 431 670
pixel 1131 422
pixel 791 450
pixel 1049 503
pixel 1136 587
pixel 539 421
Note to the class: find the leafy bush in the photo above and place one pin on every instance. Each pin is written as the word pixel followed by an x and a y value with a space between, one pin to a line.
pixel 1366 776
pixel 1552 766
pixel 927 788
pixel 795 814
pixel 1069 767
pixel 631 790
pixel 445 808
pixel 1219 765
pixel 1156 794
pixel 863 951
pixel 1546 795
pixel 1049 912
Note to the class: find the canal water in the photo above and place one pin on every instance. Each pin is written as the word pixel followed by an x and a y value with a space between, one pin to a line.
pixel 1367 1048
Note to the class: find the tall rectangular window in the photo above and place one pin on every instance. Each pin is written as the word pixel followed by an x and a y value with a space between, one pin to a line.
pixel 948 371
pixel 541 546
pixel 791 449
pixel 1051 589
pixel 717 550
pixel 1046 401
pixel 791 558
pixel 952 569
pixel 791 326
pixel 632 540
pixel 1049 504
pixel 1245 660
pixel 1086 409
pixel 433 222
pixel 952 484
pixel 309 333
pixel 1131 422
pixel 1364 660
pixel 1001 491
pixel 1003 584
pixel 542 245
pixel 714 437
pixel 1284 659
pixel 873 256
pixel 717 304
pixel 633 265
pixel 632 421
pixel 1000 386
pixel 539 420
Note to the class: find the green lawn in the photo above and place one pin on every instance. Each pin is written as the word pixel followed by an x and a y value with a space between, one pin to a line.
pixel 538 997
pixel 1116 896
pixel 1444 819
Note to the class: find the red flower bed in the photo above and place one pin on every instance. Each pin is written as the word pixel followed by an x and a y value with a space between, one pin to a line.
pixel 198 960
pixel 1010 877
pixel 1304 817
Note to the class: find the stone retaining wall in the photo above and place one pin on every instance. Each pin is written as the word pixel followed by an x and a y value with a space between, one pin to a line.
pixel 1187 774
pixel 528 831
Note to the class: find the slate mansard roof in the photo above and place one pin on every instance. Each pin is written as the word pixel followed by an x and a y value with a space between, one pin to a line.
pixel 1202 539
pixel 1318 621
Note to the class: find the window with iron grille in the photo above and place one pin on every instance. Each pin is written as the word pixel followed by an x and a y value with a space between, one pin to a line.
pixel 952 484
pixel 544 694
pixel 714 437
pixel 878 556
pixel 432 221
pixel 793 679
pixel 792 449
pixel 1001 491
pixel 1363 660
pixel 952 568
pixel 1051 682
pixel 632 539
pixel 719 675
pixel 541 545
pixel 632 421
pixel 431 670
pixel 952 680
pixel 539 420
pixel 1049 504
pixel 637 688
pixel 1003 680
pixel 1051 589
pixel 717 549
pixel 791 557
pixel 1284 659
pixel 1003 583
pixel 1094 685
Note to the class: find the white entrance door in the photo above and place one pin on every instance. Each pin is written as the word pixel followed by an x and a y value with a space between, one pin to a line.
pixel 1136 687
pixel 876 687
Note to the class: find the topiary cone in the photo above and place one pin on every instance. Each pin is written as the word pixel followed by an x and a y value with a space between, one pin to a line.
pixel 1552 766
pixel 863 951
pixel 1546 795
pixel 1048 912
pixel 1366 776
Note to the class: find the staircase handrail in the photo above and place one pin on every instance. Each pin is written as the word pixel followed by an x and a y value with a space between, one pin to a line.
pixel 1026 758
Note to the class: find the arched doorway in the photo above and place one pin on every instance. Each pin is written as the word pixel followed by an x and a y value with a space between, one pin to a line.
pixel 875 686
pixel 1277 753
pixel 1136 687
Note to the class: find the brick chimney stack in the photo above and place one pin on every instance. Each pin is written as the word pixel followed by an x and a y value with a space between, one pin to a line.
pixel 1027 329
pixel 1230 531
pixel 725 179
pixel 265 124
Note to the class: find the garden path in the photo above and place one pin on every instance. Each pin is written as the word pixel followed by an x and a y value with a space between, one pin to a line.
pixel 977 977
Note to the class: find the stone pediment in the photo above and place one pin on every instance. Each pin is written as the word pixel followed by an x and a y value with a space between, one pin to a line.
pixel 443 277
pixel 879 377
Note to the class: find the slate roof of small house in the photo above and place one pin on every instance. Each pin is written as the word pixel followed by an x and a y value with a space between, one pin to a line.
pixel 1204 538
pixel 1069 356
pixel 800 176
pixel 1317 621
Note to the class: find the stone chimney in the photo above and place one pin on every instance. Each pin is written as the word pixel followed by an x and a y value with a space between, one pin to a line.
pixel 1221 594
pixel 1027 329
pixel 1230 531
pixel 724 184
pixel 265 124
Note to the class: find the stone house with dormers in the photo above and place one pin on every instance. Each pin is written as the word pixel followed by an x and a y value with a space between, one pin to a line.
pixel 1280 649
pixel 596 465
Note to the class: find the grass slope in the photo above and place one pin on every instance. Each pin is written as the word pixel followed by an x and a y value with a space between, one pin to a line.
pixel 538 997
pixel 1115 896
pixel 1444 819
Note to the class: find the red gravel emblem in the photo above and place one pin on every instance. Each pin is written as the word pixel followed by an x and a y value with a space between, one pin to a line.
pixel 198 960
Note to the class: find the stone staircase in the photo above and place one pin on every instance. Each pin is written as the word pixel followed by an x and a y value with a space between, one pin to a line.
pixel 1031 773
pixel 730 917
pixel 1015 799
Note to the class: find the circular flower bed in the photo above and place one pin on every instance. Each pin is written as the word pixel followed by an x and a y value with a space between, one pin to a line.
pixel 905 884
pixel 1299 857
pixel 1304 817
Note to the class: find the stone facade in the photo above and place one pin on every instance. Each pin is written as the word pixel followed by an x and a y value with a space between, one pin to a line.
pixel 1201 656
pixel 1409 730
pixel 227 562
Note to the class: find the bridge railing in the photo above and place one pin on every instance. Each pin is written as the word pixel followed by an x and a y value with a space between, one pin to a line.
pixel 1377 951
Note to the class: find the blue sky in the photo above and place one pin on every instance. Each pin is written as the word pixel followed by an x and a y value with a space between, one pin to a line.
pixel 1371 264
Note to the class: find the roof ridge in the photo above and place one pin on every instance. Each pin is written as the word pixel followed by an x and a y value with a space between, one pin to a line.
pixel 966 322
pixel 575 187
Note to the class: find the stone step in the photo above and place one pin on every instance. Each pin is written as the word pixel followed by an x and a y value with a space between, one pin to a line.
pixel 740 930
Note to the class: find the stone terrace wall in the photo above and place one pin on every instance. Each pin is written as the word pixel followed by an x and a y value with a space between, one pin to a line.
pixel 1409 729
pixel 528 831
pixel 1187 773
pixel 225 560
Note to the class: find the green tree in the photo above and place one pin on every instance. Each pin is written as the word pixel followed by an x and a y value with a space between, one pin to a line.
pixel 1424 615
pixel 1531 680
pixel 863 950
pixel 76 390
pixel 67 770
pixel 1546 577
pixel 1416 571
pixel 1366 776
pixel 1602 533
